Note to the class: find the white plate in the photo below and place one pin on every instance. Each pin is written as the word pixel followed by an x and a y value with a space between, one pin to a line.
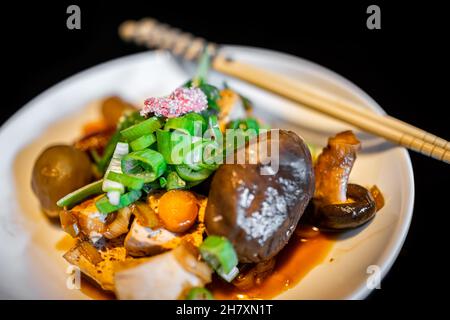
pixel 31 267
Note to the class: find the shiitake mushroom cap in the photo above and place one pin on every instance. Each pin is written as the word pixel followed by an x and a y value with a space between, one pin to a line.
pixel 349 215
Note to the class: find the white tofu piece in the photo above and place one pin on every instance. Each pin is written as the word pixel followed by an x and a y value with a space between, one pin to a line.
pixel 161 277
pixel 90 221
pixel 144 241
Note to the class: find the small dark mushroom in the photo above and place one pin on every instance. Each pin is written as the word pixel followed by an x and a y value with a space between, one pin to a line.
pixel 360 209
pixel 337 204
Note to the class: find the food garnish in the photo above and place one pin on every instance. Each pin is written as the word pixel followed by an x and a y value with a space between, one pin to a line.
pixel 181 101
pixel 199 293
pixel 81 194
pixel 219 253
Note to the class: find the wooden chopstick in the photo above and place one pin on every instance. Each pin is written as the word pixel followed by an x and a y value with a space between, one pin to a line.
pixel 367 121
pixel 151 33
pixel 350 106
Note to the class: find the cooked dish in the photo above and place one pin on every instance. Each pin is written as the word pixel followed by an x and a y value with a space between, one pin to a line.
pixel 192 197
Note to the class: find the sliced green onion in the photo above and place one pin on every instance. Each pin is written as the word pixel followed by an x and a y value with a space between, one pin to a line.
pixel 79 195
pixel 219 253
pixel 95 156
pixel 197 157
pixel 188 174
pixel 213 150
pixel 148 187
pixel 164 144
pixel 234 139
pixel 198 119
pixel 212 154
pixel 127 120
pixel 114 188
pixel 236 124
pixel 146 164
pixel 191 123
pixel 212 95
pixel 214 129
pixel 204 63
pixel 162 182
pixel 108 152
pixel 174 181
pixel 130 182
pixel 171 144
pixel 198 293
pixel 209 166
pixel 251 123
pixel 194 157
pixel 246 124
pixel 114 196
pixel 143 128
pixel 104 205
pixel 228 276
pixel 182 124
pixel 142 142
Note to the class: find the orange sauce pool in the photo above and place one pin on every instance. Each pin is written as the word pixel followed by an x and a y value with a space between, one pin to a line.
pixel 306 249
pixel 65 243
pixel 93 291
pixel 94 126
pixel 87 286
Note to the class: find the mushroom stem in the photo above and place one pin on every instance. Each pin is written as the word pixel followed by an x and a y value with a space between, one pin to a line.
pixel 347 215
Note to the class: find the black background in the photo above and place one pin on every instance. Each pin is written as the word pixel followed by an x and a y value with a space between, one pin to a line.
pixel 404 67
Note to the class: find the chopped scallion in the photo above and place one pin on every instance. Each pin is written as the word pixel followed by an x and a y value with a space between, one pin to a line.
pixel 143 128
pixel 104 205
pixel 198 293
pixel 219 253
pixel 130 182
pixel 81 194
pixel 145 164
pixel 142 142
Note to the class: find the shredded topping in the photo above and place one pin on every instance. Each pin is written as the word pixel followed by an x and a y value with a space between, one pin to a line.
pixel 181 101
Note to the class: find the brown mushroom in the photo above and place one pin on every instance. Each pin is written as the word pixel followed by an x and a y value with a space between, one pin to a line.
pixel 337 204
pixel 258 213
pixel 340 216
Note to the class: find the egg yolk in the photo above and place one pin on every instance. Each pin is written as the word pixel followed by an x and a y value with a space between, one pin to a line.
pixel 178 210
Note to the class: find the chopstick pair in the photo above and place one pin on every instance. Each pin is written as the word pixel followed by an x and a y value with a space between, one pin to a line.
pixel 151 33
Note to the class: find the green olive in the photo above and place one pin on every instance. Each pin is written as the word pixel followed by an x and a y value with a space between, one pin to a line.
pixel 58 171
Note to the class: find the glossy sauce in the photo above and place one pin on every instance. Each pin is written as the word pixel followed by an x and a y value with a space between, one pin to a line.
pixel 65 243
pixel 93 291
pixel 94 127
pixel 87 286
pixel 306 249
